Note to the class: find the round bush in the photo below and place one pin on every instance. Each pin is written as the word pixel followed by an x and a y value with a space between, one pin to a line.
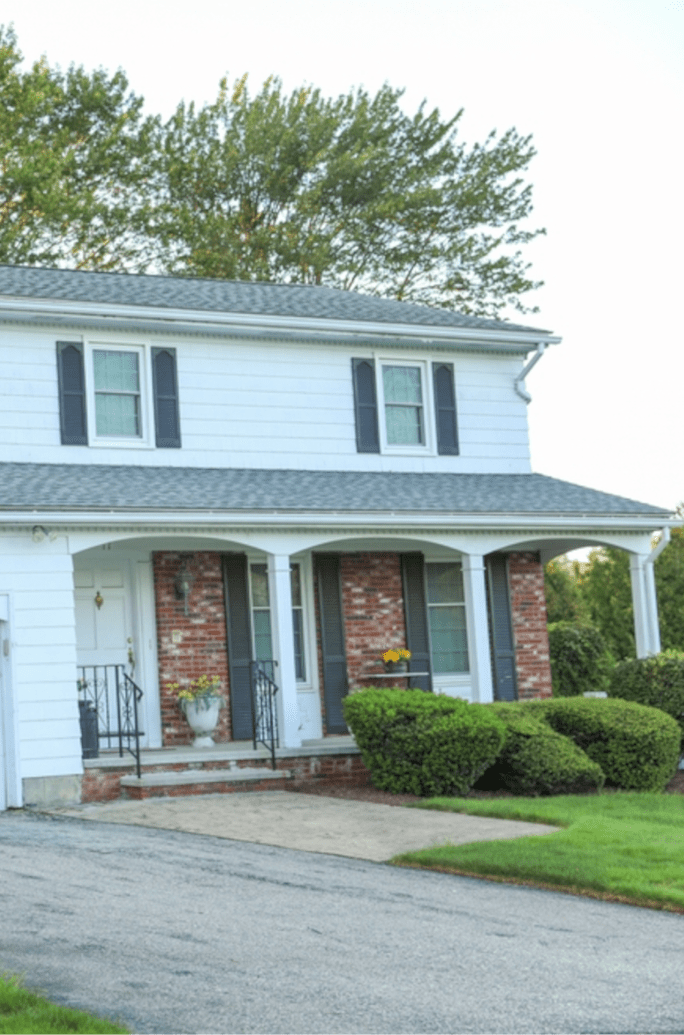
pixel 535 760
pixel 657 682
pixel 417 743
pixel 636 746
pixel 580 660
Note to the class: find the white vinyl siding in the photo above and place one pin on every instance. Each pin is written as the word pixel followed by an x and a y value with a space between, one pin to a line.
pixel 262 404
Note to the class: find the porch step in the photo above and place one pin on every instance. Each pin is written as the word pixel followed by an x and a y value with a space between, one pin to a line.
pixel 206 781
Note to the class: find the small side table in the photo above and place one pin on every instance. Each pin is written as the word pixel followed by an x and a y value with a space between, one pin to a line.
pixel 393 675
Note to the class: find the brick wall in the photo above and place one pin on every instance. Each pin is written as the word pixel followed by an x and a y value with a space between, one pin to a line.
pixel 190 645
pixel 528 612
pixel 373 607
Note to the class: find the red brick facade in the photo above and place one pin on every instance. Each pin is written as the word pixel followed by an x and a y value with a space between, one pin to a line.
pixel 373 607
pixel 190 645
pixel 528 613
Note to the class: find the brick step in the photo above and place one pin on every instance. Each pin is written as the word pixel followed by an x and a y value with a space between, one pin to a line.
pixel 185 782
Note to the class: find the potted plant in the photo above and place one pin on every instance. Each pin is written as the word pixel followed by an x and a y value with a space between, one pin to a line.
pixel 396 660
pixel 200 703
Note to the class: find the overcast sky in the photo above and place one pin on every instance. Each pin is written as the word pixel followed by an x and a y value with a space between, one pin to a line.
pixel 600 86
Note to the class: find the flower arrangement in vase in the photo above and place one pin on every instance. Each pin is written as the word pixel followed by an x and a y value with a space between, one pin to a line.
pixel 200 703
pixel 396 660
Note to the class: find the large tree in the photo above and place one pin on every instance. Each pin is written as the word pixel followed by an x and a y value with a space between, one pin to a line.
pixel 351 192
pixel 71 170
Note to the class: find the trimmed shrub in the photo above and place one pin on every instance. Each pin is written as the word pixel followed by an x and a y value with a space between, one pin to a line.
pixel 580 660
pixel 535 760
pixel 637 747
pixel 417 743
pixel 657 682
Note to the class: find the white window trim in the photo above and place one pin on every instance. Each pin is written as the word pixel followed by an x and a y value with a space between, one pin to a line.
pixel 310 684
pixel 147 439
pixel 441 679
pixel 430 446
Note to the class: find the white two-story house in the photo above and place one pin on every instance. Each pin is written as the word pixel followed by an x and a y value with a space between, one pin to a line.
pixel 197 476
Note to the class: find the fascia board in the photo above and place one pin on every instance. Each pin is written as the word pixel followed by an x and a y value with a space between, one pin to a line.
pixel 222 520
pixel 174 320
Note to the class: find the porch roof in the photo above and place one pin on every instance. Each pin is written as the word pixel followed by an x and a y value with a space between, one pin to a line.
pixel 97 487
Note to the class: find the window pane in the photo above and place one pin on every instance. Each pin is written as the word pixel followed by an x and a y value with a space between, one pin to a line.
pixel 116 371
pixel 404 425
pixel 296 585
pixel 259 585
pixel 448 638
pixel 445 583
pixel 298 632
pixel 402 384
pixel 263 649
pixel 117 414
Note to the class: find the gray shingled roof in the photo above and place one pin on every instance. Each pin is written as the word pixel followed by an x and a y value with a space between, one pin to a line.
pixel 228 296
pixel 87 487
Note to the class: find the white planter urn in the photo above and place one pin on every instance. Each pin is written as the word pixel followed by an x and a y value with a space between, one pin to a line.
pixel 202 716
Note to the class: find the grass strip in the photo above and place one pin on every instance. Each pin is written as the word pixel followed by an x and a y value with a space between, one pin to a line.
pixel 625 846
pixel 23 1012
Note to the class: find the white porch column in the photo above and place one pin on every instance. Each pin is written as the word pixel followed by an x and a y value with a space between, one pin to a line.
pixel 643 602
pixel 652 607
pixel 477 622
pixel 280 592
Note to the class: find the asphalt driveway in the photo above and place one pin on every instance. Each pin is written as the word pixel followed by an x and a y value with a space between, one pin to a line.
pixel 190 933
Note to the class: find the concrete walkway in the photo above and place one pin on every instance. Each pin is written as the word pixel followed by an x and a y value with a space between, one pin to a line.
pixel 308 822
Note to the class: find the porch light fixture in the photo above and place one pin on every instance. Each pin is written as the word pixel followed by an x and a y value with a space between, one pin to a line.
pixel 183 582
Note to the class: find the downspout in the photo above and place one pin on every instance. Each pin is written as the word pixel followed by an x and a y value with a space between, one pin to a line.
pixel 649 578
pixel 541 349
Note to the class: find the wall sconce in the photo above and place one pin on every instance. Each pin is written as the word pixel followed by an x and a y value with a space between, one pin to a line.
pixel 99 600
pixel 39 534
pixel 183 582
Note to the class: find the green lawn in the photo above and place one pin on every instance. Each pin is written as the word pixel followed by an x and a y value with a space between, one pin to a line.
pixel 25 1013
pixel 626 847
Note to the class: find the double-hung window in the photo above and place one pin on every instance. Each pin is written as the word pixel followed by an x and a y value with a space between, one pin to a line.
pixel 405 407
pixel 447 617
pixel 111 394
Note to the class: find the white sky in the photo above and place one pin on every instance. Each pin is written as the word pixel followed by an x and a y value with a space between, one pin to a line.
pixel 600 86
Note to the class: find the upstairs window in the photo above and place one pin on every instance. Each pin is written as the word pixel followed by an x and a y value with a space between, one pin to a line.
pixel 111 394
pixel 405 408
pixel 116 380
pixel 404 405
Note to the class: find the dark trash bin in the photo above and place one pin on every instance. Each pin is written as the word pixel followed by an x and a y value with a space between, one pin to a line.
pixel 89 741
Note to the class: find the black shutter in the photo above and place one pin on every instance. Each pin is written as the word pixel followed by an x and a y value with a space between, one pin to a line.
pixel 501 629
pixel 415 615
pixel 335 684
pixel 238 628
pixel 72 401
pixel 165 385
pixel 445 408
pixel 365 406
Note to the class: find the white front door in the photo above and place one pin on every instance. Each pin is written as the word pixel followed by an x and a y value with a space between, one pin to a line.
pixel 105 634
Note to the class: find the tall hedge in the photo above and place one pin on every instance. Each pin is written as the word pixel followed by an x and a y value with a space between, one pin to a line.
pixel 417 743
pixel 580 660
pixel 657 682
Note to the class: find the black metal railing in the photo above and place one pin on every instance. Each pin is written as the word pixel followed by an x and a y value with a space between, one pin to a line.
pixel 264 713
pixel 114 697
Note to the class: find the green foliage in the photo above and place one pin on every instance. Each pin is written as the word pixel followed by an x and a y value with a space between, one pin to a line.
pixel 537 760
pixel 416 743
pixel 71 173
pixel 580 661
pixel 23 1012
pixel 669 577
pixel 564 599
pixel 636 747
pixel 606 587
pixel 657 682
